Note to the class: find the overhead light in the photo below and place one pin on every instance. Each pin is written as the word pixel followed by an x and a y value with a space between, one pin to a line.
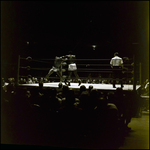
pixel 94 46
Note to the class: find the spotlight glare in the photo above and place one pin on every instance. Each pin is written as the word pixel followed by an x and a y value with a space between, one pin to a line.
pixel 94 46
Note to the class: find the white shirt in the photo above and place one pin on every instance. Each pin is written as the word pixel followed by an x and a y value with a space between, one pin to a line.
pixel 116 61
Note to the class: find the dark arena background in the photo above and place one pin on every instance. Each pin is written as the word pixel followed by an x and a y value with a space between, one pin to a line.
pixel 39 112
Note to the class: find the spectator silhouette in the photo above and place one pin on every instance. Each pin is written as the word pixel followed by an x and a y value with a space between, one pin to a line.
pixel 54 101
pixel 82 89
pixel 64 92
pixel 86 114
pixel 90 88
pixel 68 116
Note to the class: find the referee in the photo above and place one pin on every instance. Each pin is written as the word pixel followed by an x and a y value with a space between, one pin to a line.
pixel 117 64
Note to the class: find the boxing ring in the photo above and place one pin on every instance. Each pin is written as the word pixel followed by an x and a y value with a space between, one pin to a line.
pixel 95 72
pixel 75 86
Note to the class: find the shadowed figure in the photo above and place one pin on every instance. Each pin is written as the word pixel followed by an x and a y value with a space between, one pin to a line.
pixel 68 118
pixel 56 68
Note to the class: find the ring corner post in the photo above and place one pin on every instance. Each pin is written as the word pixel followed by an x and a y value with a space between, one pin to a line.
pixel 61 72
pixel 134 73
pixel 140 73
pixel 18 70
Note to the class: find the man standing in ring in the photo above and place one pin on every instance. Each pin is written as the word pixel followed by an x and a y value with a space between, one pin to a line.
pixel 117 64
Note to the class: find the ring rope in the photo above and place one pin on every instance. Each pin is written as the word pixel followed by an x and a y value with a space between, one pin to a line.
pixel 36 60
pixel 44 60
pixel 80 69
pixel 86 65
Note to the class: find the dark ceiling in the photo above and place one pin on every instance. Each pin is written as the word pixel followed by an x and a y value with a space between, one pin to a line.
pixel 55 27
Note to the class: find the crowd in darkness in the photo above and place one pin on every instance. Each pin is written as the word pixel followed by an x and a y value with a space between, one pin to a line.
pixel 67 117
pixel 89 79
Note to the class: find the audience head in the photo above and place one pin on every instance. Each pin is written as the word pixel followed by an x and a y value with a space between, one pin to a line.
pixel 24 80
pixel 94 93
pixel 93 96
pixel 82 88
pixel 84 99
pixel 70 98
pixel 90 87
pixel 65 89
pixel 116 54
pixel 60 85
pixel 21 80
